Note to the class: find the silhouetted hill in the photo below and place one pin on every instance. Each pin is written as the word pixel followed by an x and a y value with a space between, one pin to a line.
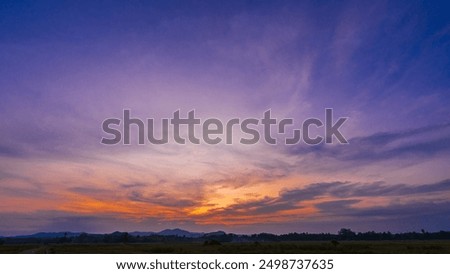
pixel 217 233
pixel 180 233
pixel 140 233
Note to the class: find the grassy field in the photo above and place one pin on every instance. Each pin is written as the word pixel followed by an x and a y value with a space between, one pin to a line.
pixel 345 247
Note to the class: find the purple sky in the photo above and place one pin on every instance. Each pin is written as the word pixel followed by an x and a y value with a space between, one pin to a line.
pixel 67 66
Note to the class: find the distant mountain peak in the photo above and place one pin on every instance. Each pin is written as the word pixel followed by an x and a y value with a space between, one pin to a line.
pixel 180 233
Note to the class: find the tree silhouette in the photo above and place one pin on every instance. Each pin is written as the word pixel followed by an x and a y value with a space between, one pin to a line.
pixel 346 234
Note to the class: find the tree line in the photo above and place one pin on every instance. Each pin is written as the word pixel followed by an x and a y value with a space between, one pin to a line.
pixel 344 234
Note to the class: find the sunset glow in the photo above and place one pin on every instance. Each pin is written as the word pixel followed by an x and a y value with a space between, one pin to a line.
pixel 66 67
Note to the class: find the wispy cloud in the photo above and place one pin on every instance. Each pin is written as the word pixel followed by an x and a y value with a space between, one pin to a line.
pixel 342 200
pixel 66 68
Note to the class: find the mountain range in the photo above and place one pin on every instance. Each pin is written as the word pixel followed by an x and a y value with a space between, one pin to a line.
pixel 166 232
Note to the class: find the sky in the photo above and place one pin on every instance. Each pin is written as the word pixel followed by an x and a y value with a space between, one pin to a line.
pixel 66 66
